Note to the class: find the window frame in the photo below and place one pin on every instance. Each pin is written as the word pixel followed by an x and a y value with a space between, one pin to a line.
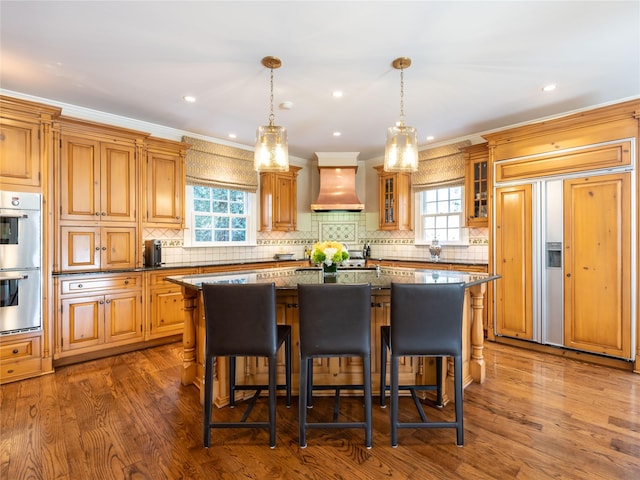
pixel 419 218
pixel 251 216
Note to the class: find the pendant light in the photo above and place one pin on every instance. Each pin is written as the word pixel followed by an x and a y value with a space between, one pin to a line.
pixel 272 151
pixel 401 149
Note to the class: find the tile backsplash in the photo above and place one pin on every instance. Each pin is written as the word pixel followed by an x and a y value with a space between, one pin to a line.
pixel 354 229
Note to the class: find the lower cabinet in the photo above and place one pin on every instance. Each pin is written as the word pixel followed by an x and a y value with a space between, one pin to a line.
pixel 89 248
pixel 97 312
pixel 165 315
pixel 20 357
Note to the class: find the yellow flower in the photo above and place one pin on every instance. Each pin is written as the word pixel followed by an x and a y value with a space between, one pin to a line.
pixel 329 253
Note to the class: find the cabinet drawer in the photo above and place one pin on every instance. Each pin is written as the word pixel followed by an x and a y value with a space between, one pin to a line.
pixel 10 371
pixel 157 278
pixel 20 350
pixel 79 285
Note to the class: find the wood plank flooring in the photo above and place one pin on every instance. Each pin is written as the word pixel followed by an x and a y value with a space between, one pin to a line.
pixel 128 417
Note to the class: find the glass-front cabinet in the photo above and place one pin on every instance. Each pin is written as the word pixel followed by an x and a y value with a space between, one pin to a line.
pixel 395 200
pixel 477 185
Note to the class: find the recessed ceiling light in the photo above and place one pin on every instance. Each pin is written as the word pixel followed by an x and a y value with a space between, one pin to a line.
pixel 233 135
pixel 549 88
pixel 189 98
pixel 336 134
pixel 337 94
pixel 286 105
pixel 430 137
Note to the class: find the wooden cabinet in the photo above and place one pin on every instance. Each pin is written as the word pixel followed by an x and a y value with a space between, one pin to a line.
pixel 96 312
pixel 279 200
pixel 97 180
pixel 165 308
pixel 597 252
pixel 164 177
pixel 98 195
pixel 25 143
pixel 514 264
pixel 88 248
pixel 477 185
pixel 20 357
pixel 394 200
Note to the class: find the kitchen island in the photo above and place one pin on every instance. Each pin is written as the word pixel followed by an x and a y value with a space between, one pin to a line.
pixel 332 370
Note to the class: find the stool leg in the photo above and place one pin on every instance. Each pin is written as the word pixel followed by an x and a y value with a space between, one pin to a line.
pixel 367 399
pixel 310 382
pixel 273 380
pixel 208 399
pixel 287 352
pixel 302 403
pixel 439 381
pixel 458 406
pixel 383 369
pixel 232 381
pixel 393 400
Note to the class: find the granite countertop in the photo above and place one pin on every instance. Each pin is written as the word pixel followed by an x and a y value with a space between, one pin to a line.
pixel 379 278
pixel 209 263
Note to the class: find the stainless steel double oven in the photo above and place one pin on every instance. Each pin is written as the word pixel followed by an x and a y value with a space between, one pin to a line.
pixel 20 262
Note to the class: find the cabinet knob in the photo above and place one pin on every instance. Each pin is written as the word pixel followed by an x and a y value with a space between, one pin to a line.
pixel 126 282
pixel 108 301
pixel 97 214
pixel 104 248
pixel 15 351
pixel 101 302
pixel 80 285
pixel 103 214
pixel 97 249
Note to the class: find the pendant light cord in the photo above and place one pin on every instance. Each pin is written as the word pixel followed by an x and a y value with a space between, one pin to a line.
pixel 271 115
pixel 402 97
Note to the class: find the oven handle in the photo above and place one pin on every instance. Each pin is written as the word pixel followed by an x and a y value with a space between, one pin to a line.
pixel 15 215
pixel 19 277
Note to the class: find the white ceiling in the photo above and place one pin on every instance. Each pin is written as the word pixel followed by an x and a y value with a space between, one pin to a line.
pixel 476 66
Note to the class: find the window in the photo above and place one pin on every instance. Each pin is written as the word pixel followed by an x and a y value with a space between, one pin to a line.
pixel 219 217
pixel 439 215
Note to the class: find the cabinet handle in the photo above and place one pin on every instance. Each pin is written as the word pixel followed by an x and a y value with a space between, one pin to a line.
pixel 15 351
pixel 80 285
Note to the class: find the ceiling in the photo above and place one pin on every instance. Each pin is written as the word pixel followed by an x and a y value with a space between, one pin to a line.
pixel 477 66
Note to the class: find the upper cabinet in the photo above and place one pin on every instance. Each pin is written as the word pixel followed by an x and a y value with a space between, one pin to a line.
pixel 25 143
pixel 279 200
pixel 97 180
pixel 477 185
pixel 164 182
pixel 394 200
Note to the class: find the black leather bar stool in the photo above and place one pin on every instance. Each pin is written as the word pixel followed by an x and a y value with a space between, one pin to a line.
pixel 241 321
pixel 335 321
pixel 426 321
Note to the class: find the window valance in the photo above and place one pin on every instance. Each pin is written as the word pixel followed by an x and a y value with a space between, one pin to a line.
pixel 440 166
pixel 220 166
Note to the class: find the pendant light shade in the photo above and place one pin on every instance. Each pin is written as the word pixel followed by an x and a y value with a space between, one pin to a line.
pixel 401 149
pixel 272 149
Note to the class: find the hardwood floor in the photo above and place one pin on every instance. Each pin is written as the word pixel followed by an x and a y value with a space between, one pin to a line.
pixel 536 417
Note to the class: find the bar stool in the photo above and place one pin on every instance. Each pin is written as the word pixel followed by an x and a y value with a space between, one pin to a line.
pixel 241 321
pixel 426 321
pixel 335 321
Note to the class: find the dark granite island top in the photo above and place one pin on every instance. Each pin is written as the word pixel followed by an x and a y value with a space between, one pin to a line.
pixel 287 280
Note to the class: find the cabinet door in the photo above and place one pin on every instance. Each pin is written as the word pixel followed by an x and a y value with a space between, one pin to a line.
pixel 285 205
pixel 167 314
pixel 117 183
pixel 82 322
pixel 394 200
pixel 20 153
pixel 165 190
pixel 117 247
pixel 79 248
pixel 123 317
pixel 514 297
pixel 80 179
pixel 476 193
pixel 597 283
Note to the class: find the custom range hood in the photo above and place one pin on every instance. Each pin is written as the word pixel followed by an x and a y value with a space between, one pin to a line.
pixel 337 182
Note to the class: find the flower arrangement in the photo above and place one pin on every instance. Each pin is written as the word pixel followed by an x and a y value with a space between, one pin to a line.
pixel 329 253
